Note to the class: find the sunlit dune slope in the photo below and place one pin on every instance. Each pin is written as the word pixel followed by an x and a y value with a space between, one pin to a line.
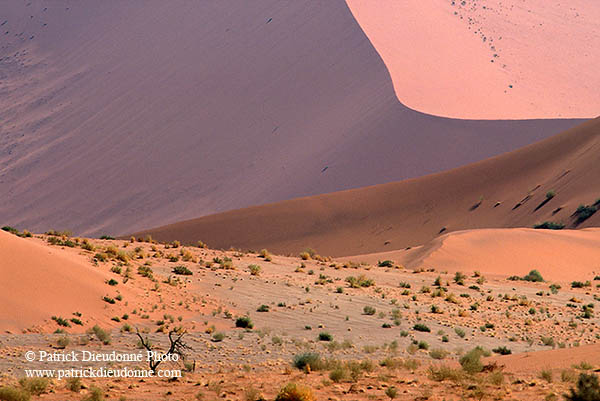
pixel 489 58
pixel 561 255
pixel 37 282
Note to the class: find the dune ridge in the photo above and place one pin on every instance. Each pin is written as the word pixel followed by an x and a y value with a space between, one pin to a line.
pixel 119 116
pixel 565 255
pixel 488 58
pixel 509 190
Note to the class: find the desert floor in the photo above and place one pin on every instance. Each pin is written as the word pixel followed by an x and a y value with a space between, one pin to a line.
pixel 374 337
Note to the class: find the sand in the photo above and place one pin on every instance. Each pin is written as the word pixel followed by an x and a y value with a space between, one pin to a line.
pixel 489 59
pixel 505 191
pixel 566 255
pixel 115 121
pixel 38 282
pixel 305 298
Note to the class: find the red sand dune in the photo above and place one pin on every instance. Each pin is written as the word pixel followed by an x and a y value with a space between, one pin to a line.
pixel 504 191
pixel 38 282
pixel 489 58
pixel 121 115
pixel 564 255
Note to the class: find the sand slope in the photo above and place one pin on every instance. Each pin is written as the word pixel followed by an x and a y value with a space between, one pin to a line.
pixel 38 282
pixel 554 359
pixel 504 191
pixel 489 58
pixel 565 255
pixel 118 116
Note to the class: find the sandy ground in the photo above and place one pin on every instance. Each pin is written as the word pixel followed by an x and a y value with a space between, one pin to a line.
pixel 556 254
pixel 242 104
pixel 489 58
pixel 543 182
pixel 305 298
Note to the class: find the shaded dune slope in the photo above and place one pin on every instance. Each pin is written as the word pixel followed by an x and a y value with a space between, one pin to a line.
pixel 504 191
pixel 118 116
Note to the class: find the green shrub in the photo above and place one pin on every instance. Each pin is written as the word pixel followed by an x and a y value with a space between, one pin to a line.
pixel 74 384
pixel 254 270
pixel 325 336
pixel 182 270
pixel 360 281
pixel 244 322
pixel 108 299
pixel 10 229
pixel 61 322
pixel 459 278
pixel 587 389
pixel 554 288
pixel 263 308
pixel 35 386
pixel 443 373
pixel 101 257
pixel 338 374
pixel 438 353
pixel 301 361
pixel 584 212
pixel 385 263
pixel 391 392
pixel 502 350
pixel 534 276
pixel 95 394
pixel 421 327
pixel 63 342
pixel 548 341
pixel 549 225
pixel 471 361
pixel 14 394
pixel 101 334
pixel 369 310
pixel 145 271
pixel 546 374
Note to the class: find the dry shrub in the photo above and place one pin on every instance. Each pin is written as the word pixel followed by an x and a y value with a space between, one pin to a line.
pixel 295 392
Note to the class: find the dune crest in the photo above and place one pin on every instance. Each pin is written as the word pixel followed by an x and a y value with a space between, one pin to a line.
pixel 567 255
pixel 546 181
pixel 489 59
pixel 121 115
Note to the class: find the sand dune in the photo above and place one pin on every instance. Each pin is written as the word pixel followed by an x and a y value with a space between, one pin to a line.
pixel 505 191
pixel 554 359
pixel 489 58
pixel 117 116
pixel 38 282
pixel 564 256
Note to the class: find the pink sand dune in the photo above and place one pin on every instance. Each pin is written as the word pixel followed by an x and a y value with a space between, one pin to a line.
pixel 489 58
pixel 123 115
pixel 569 255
